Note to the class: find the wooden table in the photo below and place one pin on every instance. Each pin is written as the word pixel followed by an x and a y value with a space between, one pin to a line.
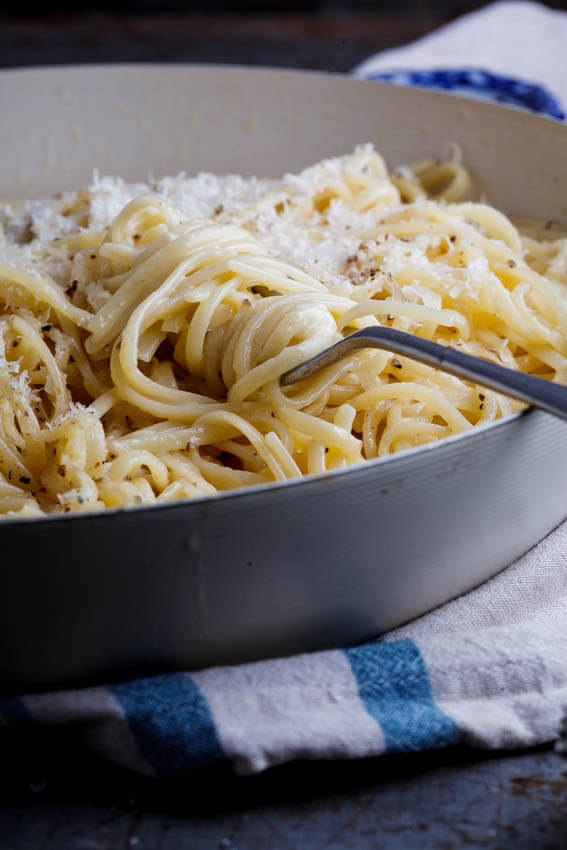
pixel 56 796
pixel 331 43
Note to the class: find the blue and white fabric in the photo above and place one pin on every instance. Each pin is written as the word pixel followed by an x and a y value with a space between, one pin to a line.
pixel 486 670
pixel 481 84
pixel 510 52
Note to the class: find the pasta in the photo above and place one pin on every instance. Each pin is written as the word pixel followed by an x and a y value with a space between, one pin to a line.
pixel 144 329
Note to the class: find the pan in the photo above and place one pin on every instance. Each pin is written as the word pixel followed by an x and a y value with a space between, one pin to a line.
pixel 302 565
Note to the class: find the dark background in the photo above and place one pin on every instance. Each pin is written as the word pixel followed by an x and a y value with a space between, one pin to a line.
pixel 332 35
pixel 446 7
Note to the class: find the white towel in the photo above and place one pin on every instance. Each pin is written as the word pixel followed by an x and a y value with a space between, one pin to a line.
pixel 521 40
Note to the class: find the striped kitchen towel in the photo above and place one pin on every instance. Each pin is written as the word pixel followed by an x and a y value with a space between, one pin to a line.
pixel 512 53
pixel 487 670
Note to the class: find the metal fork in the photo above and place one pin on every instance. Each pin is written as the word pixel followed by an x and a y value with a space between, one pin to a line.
pixel 528 388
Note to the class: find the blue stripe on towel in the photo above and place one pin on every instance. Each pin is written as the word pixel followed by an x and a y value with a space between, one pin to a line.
pixel 171 722
pixel 394 687
pixel 480 83
pixel 14 711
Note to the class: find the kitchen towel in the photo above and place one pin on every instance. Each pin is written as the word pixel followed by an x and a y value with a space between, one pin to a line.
pixel 511 52
pixel 488 669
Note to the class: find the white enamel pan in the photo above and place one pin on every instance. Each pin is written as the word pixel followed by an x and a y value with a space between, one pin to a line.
pixel 293 567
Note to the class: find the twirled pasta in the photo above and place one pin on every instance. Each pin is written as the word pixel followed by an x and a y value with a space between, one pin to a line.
pixel 140 360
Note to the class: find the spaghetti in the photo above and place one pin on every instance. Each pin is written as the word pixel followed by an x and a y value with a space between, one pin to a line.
pixel 141 349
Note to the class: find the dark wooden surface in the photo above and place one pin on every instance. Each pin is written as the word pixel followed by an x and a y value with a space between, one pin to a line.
pixel 53 794
pixel 57 797
pixel 332 43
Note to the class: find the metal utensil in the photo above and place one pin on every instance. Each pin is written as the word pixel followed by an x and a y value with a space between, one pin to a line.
pixel 537 391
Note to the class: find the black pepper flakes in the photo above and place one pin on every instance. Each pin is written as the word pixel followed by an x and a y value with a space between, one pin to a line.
pixel 72 288
pixel 396 363
pixel 25 479
pixel 512 264
pixel 46 328
pixel 218 209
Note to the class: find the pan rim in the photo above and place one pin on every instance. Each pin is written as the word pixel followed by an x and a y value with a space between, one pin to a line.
pixel 332 476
